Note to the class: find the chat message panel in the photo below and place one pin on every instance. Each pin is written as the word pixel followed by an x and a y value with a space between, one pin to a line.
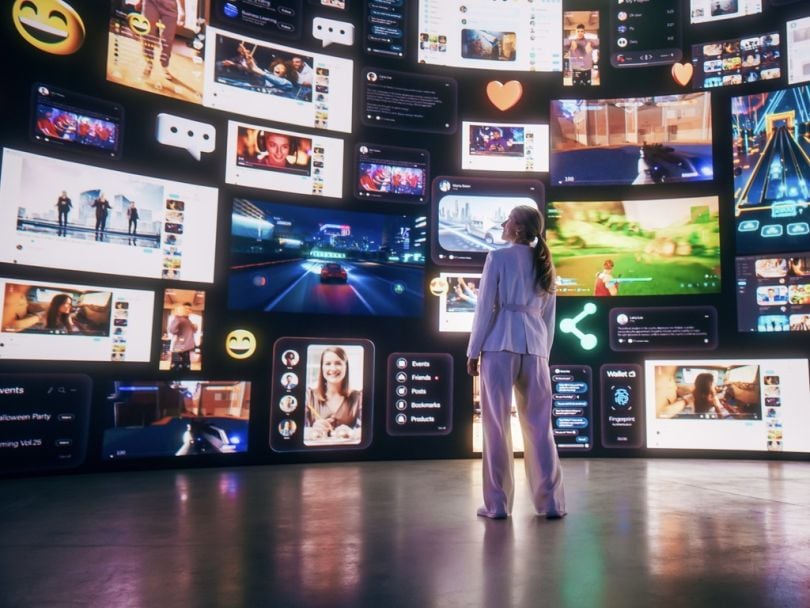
pixel 321 394
pixel 386 27
pixel 390 173
pixel 663 328
pixel 268 17
pixel 43 421
pixel 76 123
pixel 571 407
pixel 622 406
pixel 420 394
pixel 399 100
pixel 644 33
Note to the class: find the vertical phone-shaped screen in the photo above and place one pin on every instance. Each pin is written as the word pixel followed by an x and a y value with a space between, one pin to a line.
pixel 571 406
pixel 386 28
pixel 622 406
pixel 645 33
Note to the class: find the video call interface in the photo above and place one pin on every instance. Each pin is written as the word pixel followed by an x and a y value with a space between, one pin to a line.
pixel 339 170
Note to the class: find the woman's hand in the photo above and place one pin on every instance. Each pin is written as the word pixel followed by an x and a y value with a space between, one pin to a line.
pixel 323 425
pixel 472 366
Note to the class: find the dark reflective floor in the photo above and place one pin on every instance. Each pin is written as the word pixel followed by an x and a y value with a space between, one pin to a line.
pixel 639 533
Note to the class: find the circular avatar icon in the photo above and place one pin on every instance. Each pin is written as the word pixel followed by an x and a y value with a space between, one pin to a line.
pixel 288 404
pixel 240 344
pixel 287 427
pixel 52 26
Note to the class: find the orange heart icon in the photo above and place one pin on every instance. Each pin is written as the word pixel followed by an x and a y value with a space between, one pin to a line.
pixel 504 96
pixel 682 73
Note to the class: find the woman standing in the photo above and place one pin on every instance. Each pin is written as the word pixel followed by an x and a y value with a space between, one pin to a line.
pixel 513 329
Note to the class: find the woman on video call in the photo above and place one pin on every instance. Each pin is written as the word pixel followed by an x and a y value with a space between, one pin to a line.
pixel 330 403
pixel 512 333
pixel 58 317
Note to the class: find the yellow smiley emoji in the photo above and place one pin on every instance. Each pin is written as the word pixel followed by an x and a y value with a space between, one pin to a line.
pixel 240 344
pixel 139 24
pixel 52 26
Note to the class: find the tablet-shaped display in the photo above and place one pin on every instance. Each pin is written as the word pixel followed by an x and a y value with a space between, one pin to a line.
pixel 321 394
pixel 622 405
pixel 44 420
pixel 154 419
pixel 798 50
pixel 572 407
pixel 771 165
pixel 59 214
pixel 274 159
pixel 76 123
pixel 404 100
pixel 66 322
pixel 728 404
pixel 468 214
pixel 311 260
pixel 386 28
pixel 702 11
pixel 773 293
pixel 261 79
pixel 485 35
pixel 457 300
pixel 496 146
pixel 634 141
pixel 636 248
pixel 390 173
pixel 736 61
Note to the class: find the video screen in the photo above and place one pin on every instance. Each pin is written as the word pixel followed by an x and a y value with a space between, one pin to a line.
pixel 457 299
pixel 181 330
pixel 390 173
pixel 702 11
pixel 773 293
pixel 504 147
pixel 408 101
pixel 76 123
pixel 468 213
pixel 321 394
pixel 481 34
pixel 78 217
pixel 265 80
pixel 644 140
pixel 746 405
pixel 798 50
pixel 581 49
pixel 266 17
pixel 154 47
pixel 736 61
pixel 155 419
pixel 310 260
pixel 66 322
pixel 44 421
pixel 771 171
pixel 636 248
pixel 273 159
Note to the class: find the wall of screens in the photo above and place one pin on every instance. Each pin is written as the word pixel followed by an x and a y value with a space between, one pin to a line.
pixel 232 234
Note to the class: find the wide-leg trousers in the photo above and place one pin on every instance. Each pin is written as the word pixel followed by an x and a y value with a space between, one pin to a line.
pixel 529 375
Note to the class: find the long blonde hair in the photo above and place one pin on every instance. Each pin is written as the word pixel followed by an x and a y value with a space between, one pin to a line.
pixel 530 219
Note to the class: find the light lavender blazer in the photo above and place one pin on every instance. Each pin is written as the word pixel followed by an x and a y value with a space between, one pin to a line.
pixel 510 314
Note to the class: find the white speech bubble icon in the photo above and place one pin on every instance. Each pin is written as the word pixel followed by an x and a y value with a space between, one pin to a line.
pixel 331 30
pixel 191 135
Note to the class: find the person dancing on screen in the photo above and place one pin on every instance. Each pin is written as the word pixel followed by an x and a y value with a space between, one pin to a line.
pixel 63 207
pixel 102 207
pixel 182 331
pixel 164 16
pixel 512 333
pixel 132 216
pixel 330 403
